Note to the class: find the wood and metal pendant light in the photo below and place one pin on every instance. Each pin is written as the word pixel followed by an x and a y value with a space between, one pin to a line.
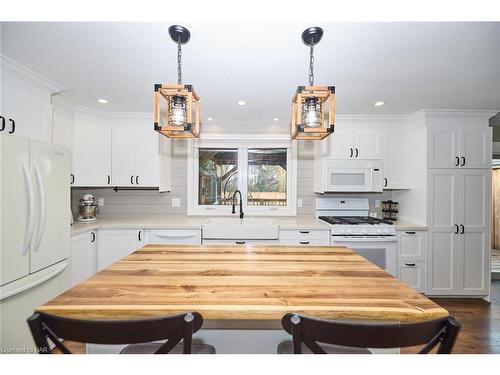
pixel 313 107
pixel 182 118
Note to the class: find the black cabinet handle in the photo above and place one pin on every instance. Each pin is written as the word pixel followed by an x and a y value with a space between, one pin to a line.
pixel 13 129
pixel 132 180
pixel 72 181
pixel 463 161
pixel 109 179
pixel 357 152
pixel 304 242
pixel 92 234
pixel 456 228
pixel 352 152
pixel 410 232
pixel 137 180
pixel 139 235
pixel 385 182
pixel 3 124
pixel 303 231
pixel 457 159
pixel 240 242
pixel 462 229
pixel 410 264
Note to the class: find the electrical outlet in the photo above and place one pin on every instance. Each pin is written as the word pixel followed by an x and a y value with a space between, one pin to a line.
pixel 100 202
pixel 176 202
pixel 377 203
pixel 299 202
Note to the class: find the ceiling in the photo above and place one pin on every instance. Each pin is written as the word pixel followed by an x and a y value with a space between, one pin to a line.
pixel 410 66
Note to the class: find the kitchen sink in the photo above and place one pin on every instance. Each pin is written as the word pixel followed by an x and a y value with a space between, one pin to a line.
pixel 235 228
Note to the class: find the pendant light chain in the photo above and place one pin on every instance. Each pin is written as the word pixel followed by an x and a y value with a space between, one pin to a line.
pixel 179 62
pixel 311 64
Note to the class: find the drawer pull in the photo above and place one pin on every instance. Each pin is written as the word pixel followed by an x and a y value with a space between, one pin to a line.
pixel 304 242
pixel 410 264
pixel 240 242
pixel 410 232
pixel 304 231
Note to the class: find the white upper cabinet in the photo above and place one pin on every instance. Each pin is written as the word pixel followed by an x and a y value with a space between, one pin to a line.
pixel 91 150
pixel 459 146
pixel 354 139
pixel 136 153
pixel 26 110
pixel 397 149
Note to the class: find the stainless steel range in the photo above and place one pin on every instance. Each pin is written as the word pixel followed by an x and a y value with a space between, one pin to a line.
pixel 373 238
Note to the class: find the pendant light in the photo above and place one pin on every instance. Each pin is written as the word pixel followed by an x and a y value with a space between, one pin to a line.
pixel 313 107
pixel 182 102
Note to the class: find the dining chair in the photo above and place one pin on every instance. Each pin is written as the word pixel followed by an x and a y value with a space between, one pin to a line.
pixel 139 335
pixel 317 336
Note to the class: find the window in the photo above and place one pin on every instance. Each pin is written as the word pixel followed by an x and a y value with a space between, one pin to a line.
pixel 264 172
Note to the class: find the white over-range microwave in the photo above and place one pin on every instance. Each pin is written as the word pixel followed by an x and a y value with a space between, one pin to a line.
pixel 350 176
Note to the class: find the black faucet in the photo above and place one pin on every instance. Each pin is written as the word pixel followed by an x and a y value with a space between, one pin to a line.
pixel 241 204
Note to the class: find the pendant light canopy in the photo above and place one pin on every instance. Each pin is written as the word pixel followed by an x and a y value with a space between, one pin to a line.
pixel 182 118
pixel 313 107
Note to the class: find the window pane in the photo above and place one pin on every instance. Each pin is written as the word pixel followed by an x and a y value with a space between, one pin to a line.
pixel 267 177
pixel 218 176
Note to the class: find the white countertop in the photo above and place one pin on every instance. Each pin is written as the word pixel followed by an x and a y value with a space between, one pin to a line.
pixel 184 222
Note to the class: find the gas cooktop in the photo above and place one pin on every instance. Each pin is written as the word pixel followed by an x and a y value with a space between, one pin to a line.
pixel 353 220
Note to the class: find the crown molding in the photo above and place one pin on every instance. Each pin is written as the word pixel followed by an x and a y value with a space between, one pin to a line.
pixel 24 71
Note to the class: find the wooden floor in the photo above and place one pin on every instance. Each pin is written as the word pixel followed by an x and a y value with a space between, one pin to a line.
pixel 480 321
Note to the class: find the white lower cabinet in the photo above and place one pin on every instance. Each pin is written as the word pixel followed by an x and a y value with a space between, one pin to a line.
pixel 115 244
pixel 241 242
pixel 304 237
pixel 173 236
pixel 413 274
pixel 83 261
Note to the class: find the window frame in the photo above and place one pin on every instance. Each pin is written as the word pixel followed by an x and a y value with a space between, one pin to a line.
pixel 193 208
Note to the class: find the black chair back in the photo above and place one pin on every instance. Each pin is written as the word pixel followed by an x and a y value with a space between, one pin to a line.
pixel 310 331
pixel 172 328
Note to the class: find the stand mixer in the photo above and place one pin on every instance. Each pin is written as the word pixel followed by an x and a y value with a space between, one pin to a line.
pixel 87 208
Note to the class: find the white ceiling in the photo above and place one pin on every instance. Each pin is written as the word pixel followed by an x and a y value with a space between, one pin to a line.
pixel 410 66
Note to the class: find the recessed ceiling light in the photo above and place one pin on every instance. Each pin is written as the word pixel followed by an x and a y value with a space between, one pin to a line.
pixel 210 118
pixel 103 101
pixel 379 103
pixel 242 102
pixel 276 119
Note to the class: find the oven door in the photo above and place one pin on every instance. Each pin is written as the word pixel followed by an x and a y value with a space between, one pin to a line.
pixel 380 250
pixel 348 179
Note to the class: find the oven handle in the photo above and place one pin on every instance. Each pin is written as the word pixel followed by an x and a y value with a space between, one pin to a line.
pixel 345 239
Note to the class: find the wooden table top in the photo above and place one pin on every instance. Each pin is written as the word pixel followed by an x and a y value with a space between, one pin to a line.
pixel 244 283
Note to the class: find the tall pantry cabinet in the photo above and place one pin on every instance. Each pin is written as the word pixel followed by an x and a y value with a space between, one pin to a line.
pixel 458 203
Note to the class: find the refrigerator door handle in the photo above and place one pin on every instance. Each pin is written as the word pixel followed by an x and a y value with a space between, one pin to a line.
pixel 43 211
pixel 31 207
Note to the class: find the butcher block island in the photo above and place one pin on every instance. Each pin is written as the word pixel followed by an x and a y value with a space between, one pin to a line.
pixel 244 288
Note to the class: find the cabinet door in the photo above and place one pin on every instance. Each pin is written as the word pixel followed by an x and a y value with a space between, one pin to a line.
pixel 340 144
pixel 411 245
pixel 83 257
pixel 51 239
pixel 115 244
pixel 475 241
pixel 443 243
pixel 147 158
pixel 413 274
pixel 397 159
pixel 443 147
pixel 174 236
pixel 15 207
pixel 475 147
pixel 368 142
pixel 123 155
pixel 91 154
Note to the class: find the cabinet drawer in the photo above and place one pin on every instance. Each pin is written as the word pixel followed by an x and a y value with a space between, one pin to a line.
pixel 174 236
pixel 305 242
pixel 242 242
pixel 411 245
pixel 413 274
pixel 304 234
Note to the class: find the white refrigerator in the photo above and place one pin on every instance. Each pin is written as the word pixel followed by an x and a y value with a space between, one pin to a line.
pixel 34 233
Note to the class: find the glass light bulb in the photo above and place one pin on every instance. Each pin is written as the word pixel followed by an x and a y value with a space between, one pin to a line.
pixel 311 117
pixel 312 112
pixel 178 116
